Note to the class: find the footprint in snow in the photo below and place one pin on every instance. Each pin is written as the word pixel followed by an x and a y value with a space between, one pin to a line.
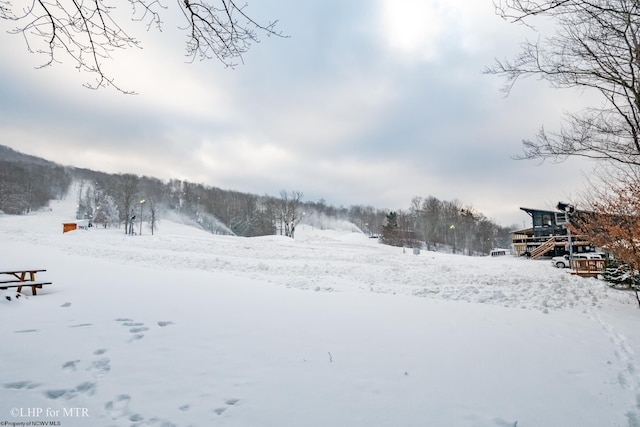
pixel 81 325
pixel 100 367
pixel 118 407
pixel 136 337
pixel 135 418
pixel 88 388
pixel 56 394
pixel 70 366
pixel 133 324
pixel 229 402
pixel 19 385
pixel 134 327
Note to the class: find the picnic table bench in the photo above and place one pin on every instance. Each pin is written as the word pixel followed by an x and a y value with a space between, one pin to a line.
pixel 20 278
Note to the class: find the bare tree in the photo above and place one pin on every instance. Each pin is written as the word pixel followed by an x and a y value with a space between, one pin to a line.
pixel 153 214
pixel 89 31
pixel 289 214
pixel 126 188
pixel 612 218
pixel 596 47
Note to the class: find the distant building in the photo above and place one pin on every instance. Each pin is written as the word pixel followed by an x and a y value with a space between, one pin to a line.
pixel 548 236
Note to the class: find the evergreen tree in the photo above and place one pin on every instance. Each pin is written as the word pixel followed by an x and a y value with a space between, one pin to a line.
pixel 390 231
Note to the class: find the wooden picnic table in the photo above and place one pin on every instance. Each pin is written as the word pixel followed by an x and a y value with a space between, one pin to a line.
pixel 20 278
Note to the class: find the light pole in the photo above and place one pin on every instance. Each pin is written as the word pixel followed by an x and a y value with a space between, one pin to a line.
pixel 97 215
pixel 453 227
pixel 141 203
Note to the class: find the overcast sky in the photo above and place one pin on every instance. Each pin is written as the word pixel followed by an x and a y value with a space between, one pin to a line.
pixel 367 102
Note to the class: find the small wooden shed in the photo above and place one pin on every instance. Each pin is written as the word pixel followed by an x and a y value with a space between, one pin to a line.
pixel 78 224
pixel 69 226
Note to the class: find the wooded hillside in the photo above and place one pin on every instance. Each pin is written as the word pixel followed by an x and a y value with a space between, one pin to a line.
pixel 28 183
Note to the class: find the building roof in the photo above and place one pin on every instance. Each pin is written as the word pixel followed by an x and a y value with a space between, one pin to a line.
pixel 530 211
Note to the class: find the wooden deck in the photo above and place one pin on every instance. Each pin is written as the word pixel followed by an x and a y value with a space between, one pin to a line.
pixel 539 246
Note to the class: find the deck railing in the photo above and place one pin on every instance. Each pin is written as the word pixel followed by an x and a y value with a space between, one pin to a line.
pixel 522 243
pixel 587 267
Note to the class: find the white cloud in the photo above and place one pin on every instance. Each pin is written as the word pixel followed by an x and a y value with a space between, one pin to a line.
pixel 414 27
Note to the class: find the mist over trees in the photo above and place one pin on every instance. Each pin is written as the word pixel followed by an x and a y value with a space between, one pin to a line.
pixel 126 201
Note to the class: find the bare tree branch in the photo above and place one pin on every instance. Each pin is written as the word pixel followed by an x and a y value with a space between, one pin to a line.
pixel 87 32
pixel 595 47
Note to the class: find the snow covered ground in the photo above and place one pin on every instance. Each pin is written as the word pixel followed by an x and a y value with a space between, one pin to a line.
pixel 185 328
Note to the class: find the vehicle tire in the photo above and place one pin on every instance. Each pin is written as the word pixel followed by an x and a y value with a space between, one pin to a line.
pixel 560 264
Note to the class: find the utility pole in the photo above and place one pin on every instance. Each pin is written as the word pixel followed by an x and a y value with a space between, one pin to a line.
pixel 568 209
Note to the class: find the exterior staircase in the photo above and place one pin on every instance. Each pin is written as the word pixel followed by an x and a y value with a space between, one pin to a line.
pixel 543 248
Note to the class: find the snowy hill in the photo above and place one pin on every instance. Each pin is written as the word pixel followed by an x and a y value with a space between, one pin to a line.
pixel 185 328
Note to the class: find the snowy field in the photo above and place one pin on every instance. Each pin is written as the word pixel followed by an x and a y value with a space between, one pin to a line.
pixel 331 329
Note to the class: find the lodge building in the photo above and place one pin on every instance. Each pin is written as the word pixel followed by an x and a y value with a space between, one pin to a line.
pixel 548 235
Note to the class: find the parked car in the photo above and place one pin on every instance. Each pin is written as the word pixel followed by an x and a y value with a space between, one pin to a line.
pixel 563 261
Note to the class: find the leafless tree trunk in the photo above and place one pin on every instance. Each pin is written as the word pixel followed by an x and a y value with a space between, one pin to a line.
pixel 127 190
pixel 289 214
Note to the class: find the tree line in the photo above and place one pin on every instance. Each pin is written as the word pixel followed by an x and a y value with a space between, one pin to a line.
pixel 26 187
pixel 444 225
pixel 127 198
pixel 126 201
